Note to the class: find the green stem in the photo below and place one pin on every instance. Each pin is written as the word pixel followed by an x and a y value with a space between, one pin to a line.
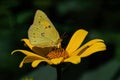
pixel 59 72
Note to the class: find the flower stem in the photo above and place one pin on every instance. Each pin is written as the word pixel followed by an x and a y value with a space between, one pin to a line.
pixel 59 72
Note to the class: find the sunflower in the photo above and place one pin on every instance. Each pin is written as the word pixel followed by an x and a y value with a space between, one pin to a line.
pixel 55 56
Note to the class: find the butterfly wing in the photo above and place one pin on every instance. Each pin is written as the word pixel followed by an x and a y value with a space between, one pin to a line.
pixel 42 32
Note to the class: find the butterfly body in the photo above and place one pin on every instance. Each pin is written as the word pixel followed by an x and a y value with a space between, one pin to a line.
pixel 42 32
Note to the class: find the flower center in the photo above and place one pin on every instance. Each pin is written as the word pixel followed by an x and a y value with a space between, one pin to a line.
pixel 57 52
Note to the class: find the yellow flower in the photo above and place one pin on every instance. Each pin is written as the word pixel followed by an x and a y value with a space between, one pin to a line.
pixel 54 56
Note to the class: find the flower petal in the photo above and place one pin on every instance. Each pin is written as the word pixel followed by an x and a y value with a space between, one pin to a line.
pixel 27 42
pixel 73 59
pixel 28 53
pixel 28 59
pixel 57 60
pixel 36 63
pixel 94 48
pixel 90 48
pixel 31 57
pixel 76 40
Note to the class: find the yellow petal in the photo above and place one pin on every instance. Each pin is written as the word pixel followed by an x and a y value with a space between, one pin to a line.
pixel 31 57
pixel 36 63
pixel 57 61
pixel 73 59
pixel 28 53
pixel 90 48
pixel 76 40
pixel 94 48
pixel 28 59
pixel 27 42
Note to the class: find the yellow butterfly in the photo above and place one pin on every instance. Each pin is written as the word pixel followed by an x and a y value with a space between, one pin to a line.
pixel 42 32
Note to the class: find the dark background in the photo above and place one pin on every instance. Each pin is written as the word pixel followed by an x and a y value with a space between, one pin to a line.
pixel 101 18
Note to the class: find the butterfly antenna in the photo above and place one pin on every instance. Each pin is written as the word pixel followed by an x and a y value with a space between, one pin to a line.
pixel 63 35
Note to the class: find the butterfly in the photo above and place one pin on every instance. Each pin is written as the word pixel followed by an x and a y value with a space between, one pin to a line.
pixel 42 32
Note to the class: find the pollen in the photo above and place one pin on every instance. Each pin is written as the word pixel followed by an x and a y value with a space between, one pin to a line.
pixel 56 53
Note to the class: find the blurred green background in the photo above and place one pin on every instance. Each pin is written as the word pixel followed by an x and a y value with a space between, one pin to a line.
pixel 100 17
